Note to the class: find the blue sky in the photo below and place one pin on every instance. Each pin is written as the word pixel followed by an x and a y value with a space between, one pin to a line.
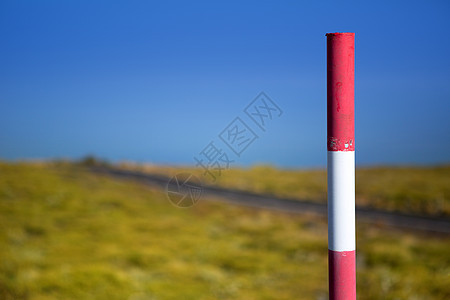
pixel 156 81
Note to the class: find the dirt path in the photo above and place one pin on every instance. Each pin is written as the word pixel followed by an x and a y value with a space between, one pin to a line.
pixel 238 197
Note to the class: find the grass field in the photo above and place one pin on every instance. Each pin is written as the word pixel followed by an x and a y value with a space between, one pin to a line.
pixel 410 190
pixel 68 234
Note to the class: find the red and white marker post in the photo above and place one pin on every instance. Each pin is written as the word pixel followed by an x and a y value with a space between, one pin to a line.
pixel 341 165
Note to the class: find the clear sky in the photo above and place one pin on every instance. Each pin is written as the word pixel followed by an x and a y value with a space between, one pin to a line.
pixel 156 81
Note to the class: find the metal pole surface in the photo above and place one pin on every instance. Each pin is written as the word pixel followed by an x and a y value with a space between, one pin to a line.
pixel 341 166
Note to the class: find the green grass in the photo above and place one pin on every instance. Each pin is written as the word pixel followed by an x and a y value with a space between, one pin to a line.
pixel 69 234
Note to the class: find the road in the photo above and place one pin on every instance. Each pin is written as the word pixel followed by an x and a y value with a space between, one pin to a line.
pixel 365 215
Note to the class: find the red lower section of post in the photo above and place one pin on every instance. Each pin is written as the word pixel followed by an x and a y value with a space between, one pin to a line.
pixel 342 278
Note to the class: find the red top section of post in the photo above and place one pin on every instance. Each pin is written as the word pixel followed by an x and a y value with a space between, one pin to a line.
pixel 340 91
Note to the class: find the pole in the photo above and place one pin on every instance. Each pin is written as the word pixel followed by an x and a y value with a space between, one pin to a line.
pixel 341 165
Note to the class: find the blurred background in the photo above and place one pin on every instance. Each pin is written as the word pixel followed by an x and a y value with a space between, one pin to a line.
pixel 145 86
